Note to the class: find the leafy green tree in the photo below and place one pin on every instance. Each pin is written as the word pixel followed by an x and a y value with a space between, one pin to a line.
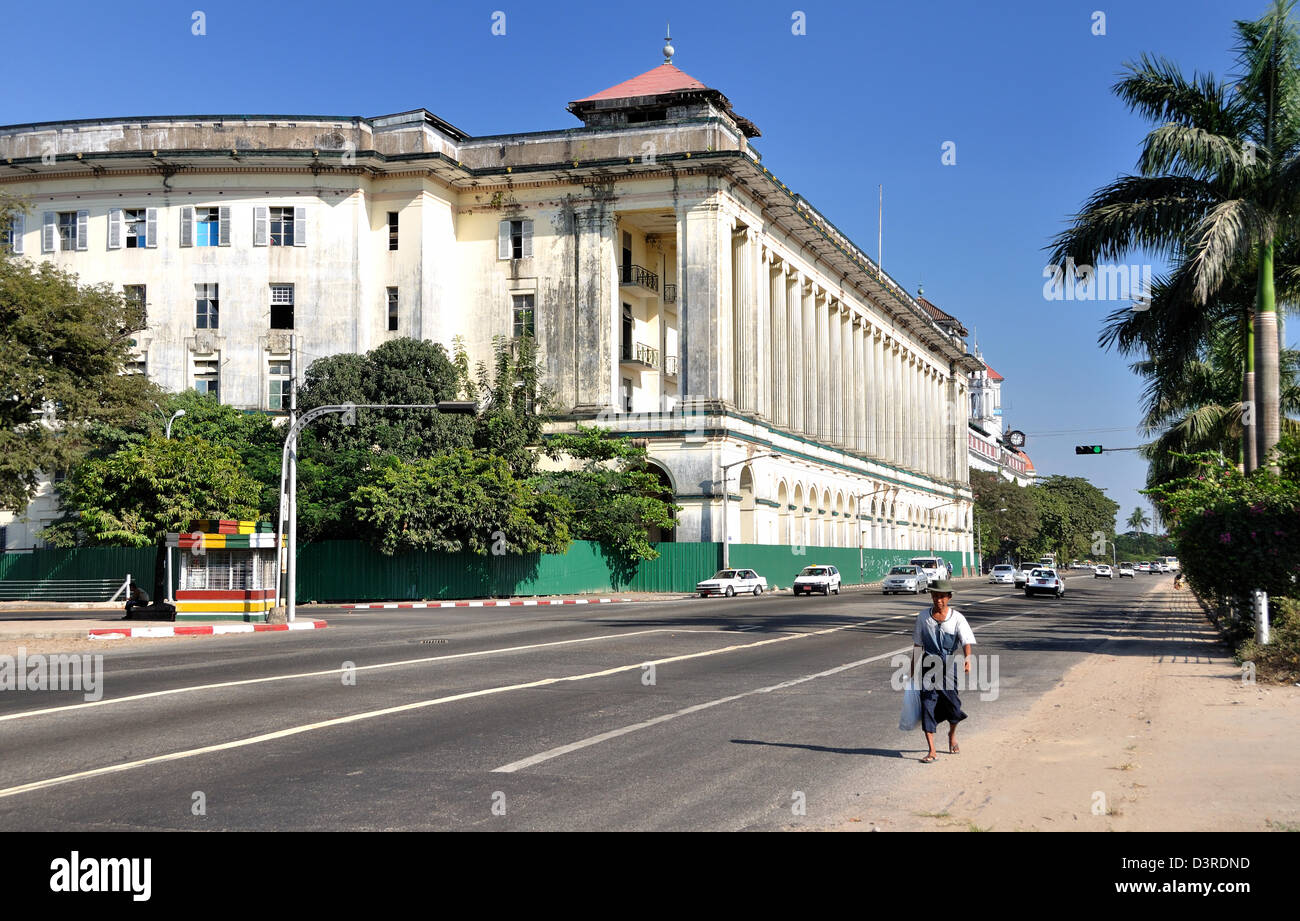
pixel 458 501
pixel 1008 516
pixel 62 350
pixel 1074 514
pixel 615 497
pixel 136 495
pixel 401 371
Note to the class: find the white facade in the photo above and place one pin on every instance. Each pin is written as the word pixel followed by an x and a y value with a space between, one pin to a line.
pixel 678 291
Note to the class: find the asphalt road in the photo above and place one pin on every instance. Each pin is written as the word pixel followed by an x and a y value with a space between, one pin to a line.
pixel 528 718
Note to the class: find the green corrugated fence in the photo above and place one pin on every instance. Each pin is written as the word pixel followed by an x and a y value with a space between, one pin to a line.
pixel 344 570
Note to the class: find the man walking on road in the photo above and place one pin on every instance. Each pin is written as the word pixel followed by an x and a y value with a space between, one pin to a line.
pixel 940 629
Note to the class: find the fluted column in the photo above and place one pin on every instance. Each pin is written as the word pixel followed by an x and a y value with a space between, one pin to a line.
pixel 833 395
pixel 779 351
pixel 876 339
pixel 809 357
pixel 860 391
pixel 741 347
pixel 797 360
pixel 890 414
pixel 761 285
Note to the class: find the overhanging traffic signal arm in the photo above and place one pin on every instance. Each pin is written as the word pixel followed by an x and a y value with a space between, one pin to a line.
pixel 1087 449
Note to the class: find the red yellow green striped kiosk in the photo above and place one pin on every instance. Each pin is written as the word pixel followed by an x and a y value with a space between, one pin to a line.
pixel 227 570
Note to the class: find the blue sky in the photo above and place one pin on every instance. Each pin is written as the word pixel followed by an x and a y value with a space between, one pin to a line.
pixel 868 95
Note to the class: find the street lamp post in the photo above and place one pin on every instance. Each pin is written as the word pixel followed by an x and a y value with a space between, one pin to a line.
pixel 286 557
pixel 726 548
pixel 167 558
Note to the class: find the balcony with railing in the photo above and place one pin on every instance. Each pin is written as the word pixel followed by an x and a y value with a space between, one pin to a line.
pixel 639 354
pixel 635 276
pixel 670 294
pixel 670 365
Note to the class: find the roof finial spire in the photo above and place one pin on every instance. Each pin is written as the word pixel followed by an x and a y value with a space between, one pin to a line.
pixel 669 51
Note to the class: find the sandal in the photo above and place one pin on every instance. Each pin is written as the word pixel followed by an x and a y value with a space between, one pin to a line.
pixel 929 759
pixel 954 748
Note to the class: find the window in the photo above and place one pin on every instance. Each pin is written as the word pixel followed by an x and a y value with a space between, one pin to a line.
pixel 392 310
pixel 627 394
pixel 67 230
pixel 138 365
pixel 207 227
pixel 135 299
pixel 626 277
pixel 392 230
pixel 206 304
pixel 515 240
pixel 282 227
pixel 626 339
pixel 4 538
pixel 281 386
pixel 207 377
pixel 11 236
pixel 281 306
pixel 64 231
pixel 136 222
pixel 524 321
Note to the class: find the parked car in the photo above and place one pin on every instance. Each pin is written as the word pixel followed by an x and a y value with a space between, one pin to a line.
pixel 1126 569
pixel 1003 573
pixel 823 579
pixel 905 579
pixel 1044 581
pixel 730 582
pixel 1103 572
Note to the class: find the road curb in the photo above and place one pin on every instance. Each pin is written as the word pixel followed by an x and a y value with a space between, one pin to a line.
pixel 485 604
pixel 119 633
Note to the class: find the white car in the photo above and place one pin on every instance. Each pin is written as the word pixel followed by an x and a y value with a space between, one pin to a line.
pixel 1004 574
pixel 1022 574
pixel 1143 567
pixel 1103 572
pixel 1044 581
pixel 1126 569
pixel 905 579
pixel 730 582
pixel 933 567
pixel 823 579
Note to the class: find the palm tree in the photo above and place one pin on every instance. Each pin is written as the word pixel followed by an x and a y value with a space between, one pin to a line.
pixel 1218 188
pixel 1138 520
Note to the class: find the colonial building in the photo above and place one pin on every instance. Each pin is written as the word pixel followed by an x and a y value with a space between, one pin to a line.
pixel 679 291
pixel 990 450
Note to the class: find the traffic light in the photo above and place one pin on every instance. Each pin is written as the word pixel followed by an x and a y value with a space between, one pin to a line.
pixel 1087 449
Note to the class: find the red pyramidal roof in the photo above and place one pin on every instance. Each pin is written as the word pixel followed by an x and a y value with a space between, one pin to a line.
pixel 662 79
pixel 993 375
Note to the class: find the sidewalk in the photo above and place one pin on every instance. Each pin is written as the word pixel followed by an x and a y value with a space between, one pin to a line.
pixel 1161 735
pixel 47 636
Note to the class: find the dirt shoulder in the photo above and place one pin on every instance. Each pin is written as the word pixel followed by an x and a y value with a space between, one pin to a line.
pixel 1165 738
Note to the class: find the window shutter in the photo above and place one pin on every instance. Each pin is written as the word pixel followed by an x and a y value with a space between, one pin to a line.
pixel 300 225
pixel 223 226
pixel 83 220
pixel 48 235
pixel 259 225
pixel 503 240
pixel 187 226
pixel 528 239
pixel 17 221
pixel 151 228
pixel 114 228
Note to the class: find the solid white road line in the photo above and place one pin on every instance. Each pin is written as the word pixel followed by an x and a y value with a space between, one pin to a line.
pixel 337 671
pixel 402 708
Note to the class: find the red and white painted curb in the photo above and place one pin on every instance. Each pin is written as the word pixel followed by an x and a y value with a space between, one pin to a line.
pixel 120 633
pixel 487 604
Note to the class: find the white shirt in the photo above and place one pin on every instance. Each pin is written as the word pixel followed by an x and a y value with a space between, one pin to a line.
pixel 946 638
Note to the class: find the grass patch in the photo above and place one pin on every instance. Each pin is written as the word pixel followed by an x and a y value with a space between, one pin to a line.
pixel 1279 661
pixel 973 827
pixel 1281 826
pixel 934 815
